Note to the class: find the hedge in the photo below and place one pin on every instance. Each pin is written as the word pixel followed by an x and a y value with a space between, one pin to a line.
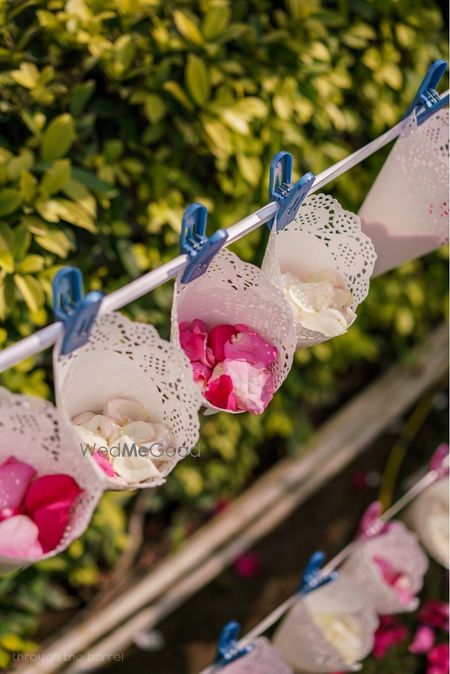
pixel 116 114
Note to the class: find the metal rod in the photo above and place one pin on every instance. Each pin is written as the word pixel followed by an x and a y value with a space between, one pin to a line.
pixel 42 339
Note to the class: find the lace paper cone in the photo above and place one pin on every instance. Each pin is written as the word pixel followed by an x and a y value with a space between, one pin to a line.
pixel 400 549
pixel 428 516
pixel 262 659
pixel 232 292
pixel 406 211
pixel 126 359
pixel 303 642
pixel 32 431
pixel 322 236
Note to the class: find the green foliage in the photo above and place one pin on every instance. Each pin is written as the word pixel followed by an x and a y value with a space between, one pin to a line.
pixel 117 114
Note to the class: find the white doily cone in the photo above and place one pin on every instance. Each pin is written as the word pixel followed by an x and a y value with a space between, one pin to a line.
pixel 303 643
pixel 400 548
pixel 322 236
pixel 126 359
pixel 406 211
pixel 31 430
pixel 429 517
pixel 232 292
pixel 262 659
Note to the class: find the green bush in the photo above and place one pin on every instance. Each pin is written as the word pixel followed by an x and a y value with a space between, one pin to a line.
pixel 116 115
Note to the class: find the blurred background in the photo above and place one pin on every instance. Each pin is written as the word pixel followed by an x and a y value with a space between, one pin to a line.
pixel 115 115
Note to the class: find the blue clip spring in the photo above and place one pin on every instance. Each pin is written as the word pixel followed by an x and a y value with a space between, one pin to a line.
pixel 289 197
pixel 427 96
pixel 77 313
pixel 227 649
pixel 193 241
pixel 312 577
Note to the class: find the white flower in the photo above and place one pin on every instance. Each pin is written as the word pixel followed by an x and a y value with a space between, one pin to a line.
pixel 321 303
pixel 133 468
pixel 125 410
pixel 91 439
pixel 342 632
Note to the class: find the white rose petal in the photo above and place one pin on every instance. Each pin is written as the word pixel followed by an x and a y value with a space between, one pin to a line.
pixel 133 468
pixel 124 410
pixel 164 436
pixel 91 439
pixel 140 431
pixel 329 322
pixel 342 632
pixel 83 418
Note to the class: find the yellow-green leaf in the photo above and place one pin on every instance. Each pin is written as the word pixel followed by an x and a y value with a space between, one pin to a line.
pixel 55 242
pixel 187 26
pixel 6 261
pixel 177 92
pixel 31 291
pixel 27 76
pixel 48 210
pixel 27 186
pixel 22 242
pixel 55 178
pixel 80 193
pixel 215 21
pixel 16 165
pixel 58 138
pixel 250 169
pixel 71 212
pixel 154 108
pixel 10 201
pixel 30 264
pixel 197 80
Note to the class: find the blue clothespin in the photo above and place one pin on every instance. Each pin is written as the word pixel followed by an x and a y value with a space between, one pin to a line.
pixel 227 649
pixel 427 96
pixel 76 311
pixel 312 576
pixel 290 197
pixel 194 242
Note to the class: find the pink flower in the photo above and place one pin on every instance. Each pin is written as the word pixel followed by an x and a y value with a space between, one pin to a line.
pixel 435 613
pixel 247 345
pixel 15 477
pixel 438 659
pixel 193 338
pixel 390 632
pixel 19 538
pixel 252 386
pixel 104 463
pixel 218 336
pixel 202 373
pixel 423 640
pixel 48 502
pixel 248 565
pixel 397 580
pixel 220 393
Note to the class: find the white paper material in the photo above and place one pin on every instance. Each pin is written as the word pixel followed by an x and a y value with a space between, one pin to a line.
pixel 429 517
pixel 262 659
pixel 126 359
pixel 32 431
pixel 406 212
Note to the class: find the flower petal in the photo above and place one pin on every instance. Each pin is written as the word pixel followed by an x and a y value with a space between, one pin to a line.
pixel 19 538
pixel 220 393
pixel 193 341
pixel 104 463
pixel 124 410
pixel 249 346
pixel 424 639
pixel 252 386
pixel 15 477
pixel 217 338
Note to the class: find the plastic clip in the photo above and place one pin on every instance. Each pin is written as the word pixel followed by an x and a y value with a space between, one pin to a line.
pixel 195 244
pixel 227 649
pixel 289 197
pixel 76 311
pixel 427 96
pixel 312 576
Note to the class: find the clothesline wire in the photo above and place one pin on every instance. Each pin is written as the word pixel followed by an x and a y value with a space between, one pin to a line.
pixel 421 485
pixel 44 338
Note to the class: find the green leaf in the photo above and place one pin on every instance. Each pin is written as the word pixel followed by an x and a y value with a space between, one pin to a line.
pixel 27 76
pixel 55 178
pixel 55 242
pixel 215 21
pixel 197 80
pixel 79 97
pixel 177 92
pixel 10 201
pixel 22 162
pixel 48 210
pixel 79 193
pixel 92 181
pixel 250 168
pixel 28 185
pixel 31 291
pixel 187 26
pixel 154 108
pixel 71 212
pixel 58 138
pixel 6 260
pixel 31 264
pixel 7 299
pixel 22 242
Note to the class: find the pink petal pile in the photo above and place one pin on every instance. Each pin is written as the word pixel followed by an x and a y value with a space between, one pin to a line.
pixel 230 364
pixel 34 511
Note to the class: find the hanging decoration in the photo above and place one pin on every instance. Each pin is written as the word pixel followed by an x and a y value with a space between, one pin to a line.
pixel 406 212
pixel 47 495
pixel 129 396
pixel 323 263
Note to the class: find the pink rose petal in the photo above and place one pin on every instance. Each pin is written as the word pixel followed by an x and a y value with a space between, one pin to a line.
pixel 397 580
pixel 248 565
pixel 390 632
pixel 104 463
pixel 435 613
pixel 424 639
pixel 193 338
pixel 252 386
pixel 15 477
pixel 49 501
pixel 218 336
pixel 202 374
pixel 220 393
pixel 438 659
pixel 249 346
pixel 19 538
